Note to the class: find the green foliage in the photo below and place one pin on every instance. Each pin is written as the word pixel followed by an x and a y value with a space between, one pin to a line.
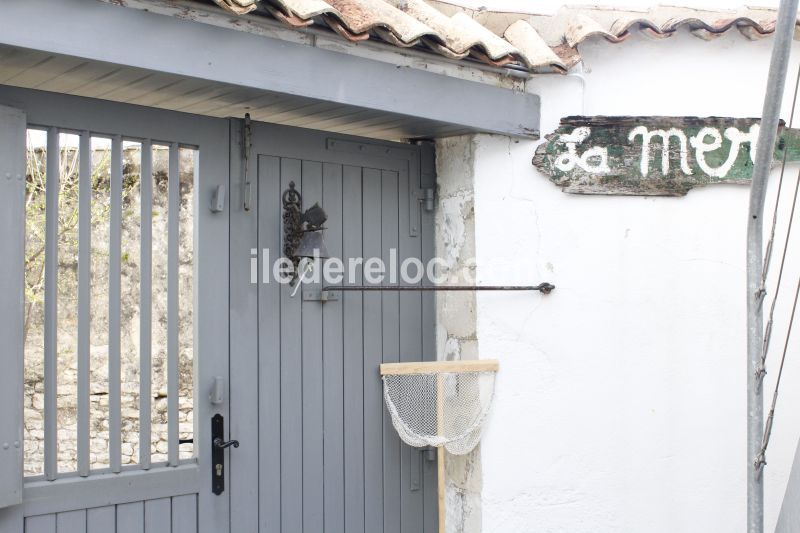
pixel 68 190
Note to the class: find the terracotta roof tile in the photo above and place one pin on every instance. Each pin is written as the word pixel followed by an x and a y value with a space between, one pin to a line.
pixel 534 50
pixel 540 43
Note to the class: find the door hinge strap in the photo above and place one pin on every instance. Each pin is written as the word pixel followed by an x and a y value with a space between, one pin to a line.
pixel 247 145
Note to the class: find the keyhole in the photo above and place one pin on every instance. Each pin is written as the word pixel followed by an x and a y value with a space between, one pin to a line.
pixel 219 470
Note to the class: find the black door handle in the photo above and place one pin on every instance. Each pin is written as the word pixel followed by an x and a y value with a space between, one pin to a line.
pixel 218 445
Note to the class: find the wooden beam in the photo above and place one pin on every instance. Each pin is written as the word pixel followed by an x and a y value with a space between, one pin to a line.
pixel 170 45
pixel 432 367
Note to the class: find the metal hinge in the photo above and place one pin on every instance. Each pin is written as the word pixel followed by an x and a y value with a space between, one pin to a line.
pixel 247 146
pixel 417 198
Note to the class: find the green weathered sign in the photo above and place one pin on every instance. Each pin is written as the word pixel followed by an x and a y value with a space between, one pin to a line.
pixel 654 156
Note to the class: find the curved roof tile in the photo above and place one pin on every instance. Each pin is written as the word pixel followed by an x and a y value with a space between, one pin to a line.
pixel 539 43
pixel 534 50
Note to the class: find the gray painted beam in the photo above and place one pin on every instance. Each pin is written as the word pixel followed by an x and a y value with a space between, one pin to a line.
pixel 170 45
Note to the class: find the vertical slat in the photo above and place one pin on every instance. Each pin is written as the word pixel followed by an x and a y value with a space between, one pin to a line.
pixel 101 519
pixel 267 386
pixel 158 516
pixel 71 522
pixel 146 305
pixel 84 297
pixel 333 366
pixel 41 524
pixel 291 426
pixel 184 514
pixel 130 518
pixel 410 350
pixel 373 353
pixel 173 347
pixel 312 380
pixel 51 307
pixel 353 341
pixel 114 307
pixel 390 312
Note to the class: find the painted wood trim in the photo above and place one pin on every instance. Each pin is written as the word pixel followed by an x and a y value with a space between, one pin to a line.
pixel 67 494
pixel 431 367
pixel 69 27
pixel 12 242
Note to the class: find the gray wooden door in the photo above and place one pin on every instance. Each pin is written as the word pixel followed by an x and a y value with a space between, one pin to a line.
pixel 305 382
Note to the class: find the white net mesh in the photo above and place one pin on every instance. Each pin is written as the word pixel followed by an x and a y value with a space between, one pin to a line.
pixel 440 408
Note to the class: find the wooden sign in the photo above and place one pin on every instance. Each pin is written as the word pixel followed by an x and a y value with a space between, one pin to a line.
pixel 654 156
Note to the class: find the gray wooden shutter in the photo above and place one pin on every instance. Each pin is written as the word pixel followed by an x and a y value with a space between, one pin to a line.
pixel 12 261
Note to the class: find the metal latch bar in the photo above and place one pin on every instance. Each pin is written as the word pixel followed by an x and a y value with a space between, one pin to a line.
pixel 544 288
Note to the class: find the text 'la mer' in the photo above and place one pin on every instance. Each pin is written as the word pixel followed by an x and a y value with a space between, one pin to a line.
pixel 594 159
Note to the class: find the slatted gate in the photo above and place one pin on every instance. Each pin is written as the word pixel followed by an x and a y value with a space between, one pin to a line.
pixel 89 473
pixel 296 379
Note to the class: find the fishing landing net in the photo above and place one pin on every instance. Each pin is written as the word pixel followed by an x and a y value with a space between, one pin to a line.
pixel 440 404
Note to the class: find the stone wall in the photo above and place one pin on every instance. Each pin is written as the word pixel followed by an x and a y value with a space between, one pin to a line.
pixel 456 330
pixel 130 343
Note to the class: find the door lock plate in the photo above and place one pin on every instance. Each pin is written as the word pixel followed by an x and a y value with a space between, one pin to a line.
pixel 217 455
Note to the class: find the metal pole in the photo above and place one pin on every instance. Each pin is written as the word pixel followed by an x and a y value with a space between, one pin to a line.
pixel 784 31
pixel 544 288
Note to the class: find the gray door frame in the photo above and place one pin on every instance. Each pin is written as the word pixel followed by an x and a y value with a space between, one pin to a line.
pixel 210 321
pixel 12 242
pixel 296 143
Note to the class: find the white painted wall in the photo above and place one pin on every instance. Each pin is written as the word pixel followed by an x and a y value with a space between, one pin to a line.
pixel 620 403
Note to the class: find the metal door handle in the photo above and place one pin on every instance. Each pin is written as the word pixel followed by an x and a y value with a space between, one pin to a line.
pixel 219 443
